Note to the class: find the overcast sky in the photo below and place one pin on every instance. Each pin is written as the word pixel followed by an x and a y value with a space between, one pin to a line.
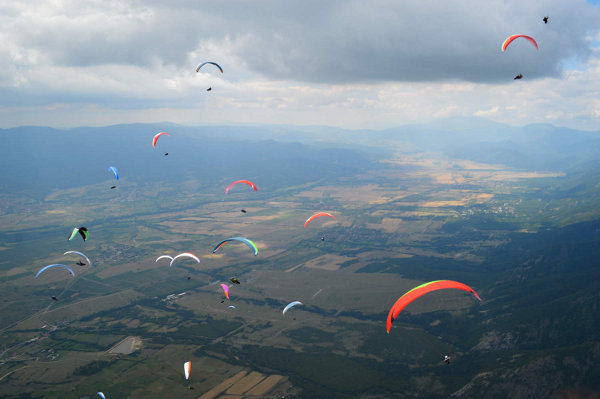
pixel 353 64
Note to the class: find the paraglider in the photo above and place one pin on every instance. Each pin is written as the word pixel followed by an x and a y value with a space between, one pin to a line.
pixel 291 305
pixel 82 231
pixel 101 395
pixel 166 153
pixel 114 170
pixel 234 280
pixel 163 257
pixel 113 187
pixel 80 254
pixel 447 359
pixel 232 307
pixel 519 76
pixel 421 290
pixel 43 269
pixel 225 290
pixel 156 136
pixel 54 298
pixel 184 255
pixel 510 39
pixel 248 182
pixel 246 241
pixel 545 19
pixel 187 368
pixel 209 62
pixel 322 238
pixel 243 211
pixel 209 89
pixel 317 215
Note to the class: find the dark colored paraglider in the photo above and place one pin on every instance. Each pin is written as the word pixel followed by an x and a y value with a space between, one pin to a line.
pixel 234 280
pixel 447 359
pixel 112 187
pixel 54 298
pixel 80 263
pixel 166 153
pixel 209 89
pixel 189 278
pixel 519 76
pixel 545 20
pixel 223 301
pixel 243 211
pixel 323 238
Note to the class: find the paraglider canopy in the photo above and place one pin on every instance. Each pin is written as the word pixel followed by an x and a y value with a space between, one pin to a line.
pixel 291 305
pixel 43 269
pixel 209 62
pixel 80 254
pixel 421 290
pixel 545 19
pixel 225 290
pixel 248 182
pixel 156 136
pixel 187 369
pixel 234 280
pixel 246 241
pixel 184 255
pixel 510 39
pixel 82 231
pixel 114 170
pixel 318 215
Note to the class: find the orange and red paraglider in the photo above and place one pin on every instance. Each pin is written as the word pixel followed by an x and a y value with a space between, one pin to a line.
pixel 248 182
pixel 421 290
pixel 510 39
pixel 155 138
pixel 318 215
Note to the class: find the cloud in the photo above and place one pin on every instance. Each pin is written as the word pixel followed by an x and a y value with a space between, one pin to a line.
pixel 381 62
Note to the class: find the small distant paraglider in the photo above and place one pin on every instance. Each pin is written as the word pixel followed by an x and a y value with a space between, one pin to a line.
pixel 512 38
pixel 163 257
pixel 248 182
pixel 447 359
pixel 291 305
pixel 54 298
pixel 209 89
pixel 80 263
pixel 184 255
pixel 113 187
pixel 243 211
pixel 82 231
pixel 187 369
pixel 101 395
pixel 318 215
pixel 166 153
pixel 209 62
pixel 519 76
pixel 156 136
pixel 115 171
pixel 246 241
pixel 225 290
pixel 234 280
pixel 43 269
pixel 545 19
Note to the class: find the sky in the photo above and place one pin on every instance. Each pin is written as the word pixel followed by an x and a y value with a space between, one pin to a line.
pixel 351 64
